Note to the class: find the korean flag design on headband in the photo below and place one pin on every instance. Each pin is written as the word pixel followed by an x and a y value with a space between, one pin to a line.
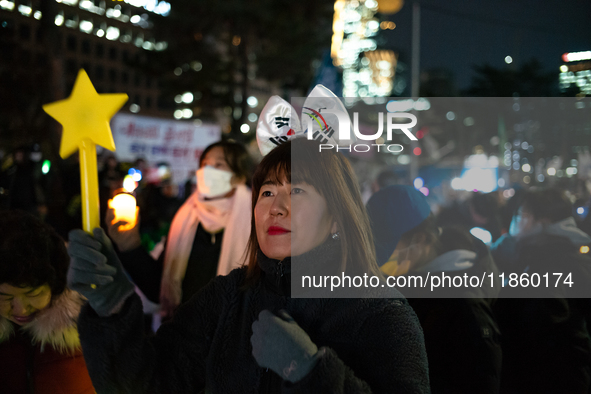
pixel 324 126
pixel 279 122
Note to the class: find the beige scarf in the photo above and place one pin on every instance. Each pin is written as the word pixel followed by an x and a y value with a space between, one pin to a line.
pixel 232 214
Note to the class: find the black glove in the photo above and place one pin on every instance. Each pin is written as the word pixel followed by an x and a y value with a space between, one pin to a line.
pixel 96 272
pixel 280 344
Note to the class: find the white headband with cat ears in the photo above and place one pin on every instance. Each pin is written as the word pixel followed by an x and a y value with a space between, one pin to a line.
pixel 279 121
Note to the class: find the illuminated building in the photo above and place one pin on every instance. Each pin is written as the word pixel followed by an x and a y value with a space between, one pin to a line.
pixel 367 70
pixel 576 71
pixel 109 39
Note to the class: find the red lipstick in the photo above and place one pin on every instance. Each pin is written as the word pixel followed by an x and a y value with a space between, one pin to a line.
pixel 276 230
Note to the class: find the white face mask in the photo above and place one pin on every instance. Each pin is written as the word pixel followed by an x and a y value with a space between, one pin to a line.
pixel 212 182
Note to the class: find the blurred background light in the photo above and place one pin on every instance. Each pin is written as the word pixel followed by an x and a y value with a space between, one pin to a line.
pixel 187 98
pixel 404 159
pixel 46 166
pixel 252 101
pixel 129 184
pixel 418 183
pixel 482 234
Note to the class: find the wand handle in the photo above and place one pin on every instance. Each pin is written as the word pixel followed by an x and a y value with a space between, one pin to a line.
pixel 89 185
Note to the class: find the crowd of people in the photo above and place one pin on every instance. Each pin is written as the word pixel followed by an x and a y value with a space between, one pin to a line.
pixel 71 320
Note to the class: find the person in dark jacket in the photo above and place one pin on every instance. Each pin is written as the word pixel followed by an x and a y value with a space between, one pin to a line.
pixel 207 237
pixel 480 210
pixel 244 333
pixel 21 185
pixel 461 336
pixel 546 344
pixel 40 351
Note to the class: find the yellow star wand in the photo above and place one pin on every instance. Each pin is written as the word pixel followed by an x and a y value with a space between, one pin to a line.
pixel 85 119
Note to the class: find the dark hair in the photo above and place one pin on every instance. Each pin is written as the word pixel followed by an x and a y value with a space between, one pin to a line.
pixel 443 240
pixel 550 204
pixel 333 178
pixel 427 228
pixel 236 156
pixel 486 204
pixel 31 253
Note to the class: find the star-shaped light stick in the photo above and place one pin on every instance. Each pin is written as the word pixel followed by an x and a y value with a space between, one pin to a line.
pixel 85 119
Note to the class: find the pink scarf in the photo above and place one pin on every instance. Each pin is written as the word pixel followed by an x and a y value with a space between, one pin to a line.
pixel 232 214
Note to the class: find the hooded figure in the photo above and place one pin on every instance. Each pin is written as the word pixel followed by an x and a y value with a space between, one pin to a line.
pixel 461 335
pixel 546 345
pixel 40 350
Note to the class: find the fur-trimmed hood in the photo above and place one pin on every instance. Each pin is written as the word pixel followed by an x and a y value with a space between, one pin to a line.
pixel 55 326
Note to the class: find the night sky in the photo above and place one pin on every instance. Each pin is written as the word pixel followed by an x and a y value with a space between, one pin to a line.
pixel 457 34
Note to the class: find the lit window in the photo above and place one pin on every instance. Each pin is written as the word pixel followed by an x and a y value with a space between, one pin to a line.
pixel 147 45
pixel 139 41
pixel 87 5
pixel 160 46
pixel 7 5
pixel 59 20
pixel 187 98
pixel 86 26
pixel 252 101
pixel 25 10
pixel 126 37
pixel 72 21
pixel 112 33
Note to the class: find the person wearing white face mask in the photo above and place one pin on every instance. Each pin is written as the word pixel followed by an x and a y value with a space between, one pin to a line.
pixel 207 237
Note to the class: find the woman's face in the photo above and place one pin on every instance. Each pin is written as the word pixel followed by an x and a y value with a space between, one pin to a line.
pixel 216 159
pixel 291 219
pixel 20 305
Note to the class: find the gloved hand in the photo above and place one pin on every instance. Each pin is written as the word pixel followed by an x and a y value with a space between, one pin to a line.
pixel 281 344
pixel 96 272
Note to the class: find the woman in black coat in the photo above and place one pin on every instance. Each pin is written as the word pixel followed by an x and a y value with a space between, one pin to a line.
pixel 244 333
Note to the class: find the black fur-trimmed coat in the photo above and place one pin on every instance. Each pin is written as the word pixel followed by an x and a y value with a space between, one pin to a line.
pixel 372 345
